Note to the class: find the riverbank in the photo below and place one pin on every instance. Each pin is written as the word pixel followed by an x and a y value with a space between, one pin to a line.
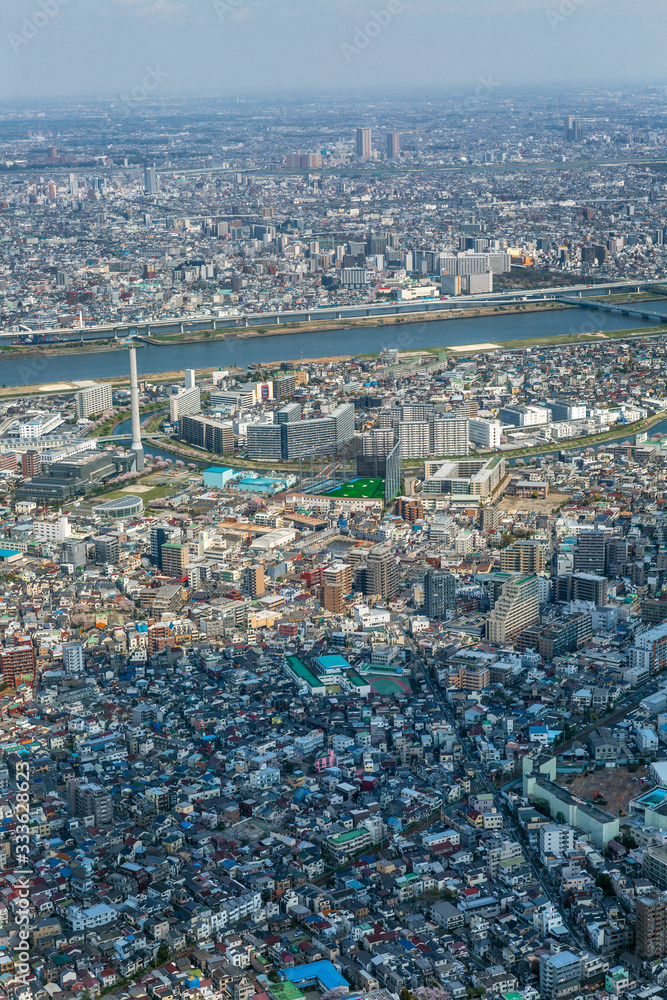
pixel 43 388
pixel 18 352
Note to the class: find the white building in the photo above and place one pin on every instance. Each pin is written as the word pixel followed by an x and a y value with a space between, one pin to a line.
pixel 73 658
pixel 95 399
pixel 39 425
pixel 183 400
pixel 556 839
pixel 485 432
pixel 52 531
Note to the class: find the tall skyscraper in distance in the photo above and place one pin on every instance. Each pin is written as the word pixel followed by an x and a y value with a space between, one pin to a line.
pixel 393 145
pixel 150 180
pixel 572 129
pixel 363 143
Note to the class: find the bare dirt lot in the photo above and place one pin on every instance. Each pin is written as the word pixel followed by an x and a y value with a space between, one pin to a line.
pixel 615 784
pixel 512 505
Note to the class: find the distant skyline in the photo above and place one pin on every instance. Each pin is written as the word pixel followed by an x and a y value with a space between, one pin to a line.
pixel 111 48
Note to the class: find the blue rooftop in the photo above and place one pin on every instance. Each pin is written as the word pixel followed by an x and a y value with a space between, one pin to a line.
pixel 323 973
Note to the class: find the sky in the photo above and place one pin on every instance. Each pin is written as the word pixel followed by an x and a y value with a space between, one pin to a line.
pixel 109 48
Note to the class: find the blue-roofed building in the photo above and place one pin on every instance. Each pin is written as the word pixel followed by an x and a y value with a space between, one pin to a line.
pixel 323 975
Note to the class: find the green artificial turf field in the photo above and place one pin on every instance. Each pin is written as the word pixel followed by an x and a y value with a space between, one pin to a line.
pixel 360 489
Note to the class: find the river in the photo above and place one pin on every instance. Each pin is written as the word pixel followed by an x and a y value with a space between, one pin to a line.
pixel 243 351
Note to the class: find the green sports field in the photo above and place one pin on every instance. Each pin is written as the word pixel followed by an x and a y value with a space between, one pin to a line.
pixel 360 489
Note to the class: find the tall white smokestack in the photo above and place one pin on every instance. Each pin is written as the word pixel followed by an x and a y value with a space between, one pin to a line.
pixel 137 446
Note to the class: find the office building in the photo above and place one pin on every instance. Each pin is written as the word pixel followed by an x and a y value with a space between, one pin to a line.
pixel 362 141
pixel 439 593
pixel 93 401
pixel 485 433
pixel 73 657
pixel 560 974
pixel 651 910
pixel 514 609
pixel 382 575
pixel 393 145
pixel 254 579
pixel 572 129
pixel 213 435
pixel 589 556
pixel 567 411
pixel 150 180
pixel 76 475
pixel 524 416
pixel 175 559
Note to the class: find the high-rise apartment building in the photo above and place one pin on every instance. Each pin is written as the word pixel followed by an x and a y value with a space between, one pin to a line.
pixel 590 553
pixel 439 593
pixel 106 549
pixel 17 664
pixel 651 924
pixel 73 657
pixel 175 558
pixel 213 435
pixel 393 145
pixel 362 142
pixel 382 575
pixel 95 399
pixel 90 799
pixel 560 974
pixel 336 585
pixel 516 607
pixel 31 464
pixel 150 180
pixel 523 556
pixel 254 578
pixel 183 400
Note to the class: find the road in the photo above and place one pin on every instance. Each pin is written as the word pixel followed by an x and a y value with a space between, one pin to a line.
pixel 482 777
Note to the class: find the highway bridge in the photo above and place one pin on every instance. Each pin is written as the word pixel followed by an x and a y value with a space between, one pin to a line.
pixel 637 312
pixel 570 295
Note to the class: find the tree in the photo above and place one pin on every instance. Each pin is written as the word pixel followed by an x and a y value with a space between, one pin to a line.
pixel 273 976
pixel 163 954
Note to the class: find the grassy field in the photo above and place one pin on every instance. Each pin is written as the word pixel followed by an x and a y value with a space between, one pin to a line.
pixel 360 489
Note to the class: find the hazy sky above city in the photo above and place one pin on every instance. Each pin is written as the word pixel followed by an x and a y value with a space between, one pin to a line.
pixel 107 47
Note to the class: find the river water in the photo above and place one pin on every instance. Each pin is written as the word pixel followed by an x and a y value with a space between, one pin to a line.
pixel 243 351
